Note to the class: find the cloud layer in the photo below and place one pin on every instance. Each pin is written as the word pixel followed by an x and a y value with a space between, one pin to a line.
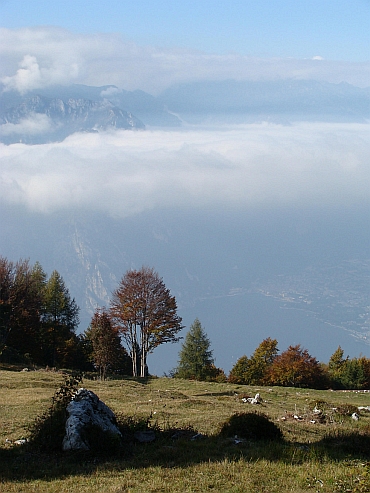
pixel 37 57
pixel 125 172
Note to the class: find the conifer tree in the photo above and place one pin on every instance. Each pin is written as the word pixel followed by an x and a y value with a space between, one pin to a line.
pixel 195 357
pixel 336 367
pixel 60 319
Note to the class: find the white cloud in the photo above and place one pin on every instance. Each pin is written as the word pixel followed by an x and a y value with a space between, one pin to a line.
pixel 110 91
pixel 36 57
pixel 30 76
pixel 35 124
pixel 125 172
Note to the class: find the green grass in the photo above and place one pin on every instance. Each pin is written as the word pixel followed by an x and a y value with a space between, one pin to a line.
pixel 328 456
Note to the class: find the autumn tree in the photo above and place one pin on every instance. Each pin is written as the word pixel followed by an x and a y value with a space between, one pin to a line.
pixel 105 341
pixel 195 357
pixel 239 372
pixel 6 283
pixel 145 313
pixel 20 308
pixel 295 367
pixel 261 360
pixel 60 319
pixel 252 371
pixel 336 367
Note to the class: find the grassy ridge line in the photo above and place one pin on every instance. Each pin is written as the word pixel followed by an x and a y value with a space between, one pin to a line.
pixel 171 466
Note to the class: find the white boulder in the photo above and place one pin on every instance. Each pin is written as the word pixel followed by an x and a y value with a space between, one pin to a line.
pixel 86 410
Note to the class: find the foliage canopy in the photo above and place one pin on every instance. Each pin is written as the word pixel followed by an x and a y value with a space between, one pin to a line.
pixel 145 313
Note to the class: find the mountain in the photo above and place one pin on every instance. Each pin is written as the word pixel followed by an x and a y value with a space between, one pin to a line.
pixel 37 119
pixel 282 101
pixel 53 113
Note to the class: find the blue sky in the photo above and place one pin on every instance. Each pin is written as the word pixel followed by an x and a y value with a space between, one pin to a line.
pixel 332 29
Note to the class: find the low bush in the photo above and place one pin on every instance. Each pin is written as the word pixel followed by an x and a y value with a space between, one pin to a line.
pixel 255 426
pixel 48 429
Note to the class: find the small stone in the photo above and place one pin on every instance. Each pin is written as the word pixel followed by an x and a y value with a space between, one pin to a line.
pixel 21 441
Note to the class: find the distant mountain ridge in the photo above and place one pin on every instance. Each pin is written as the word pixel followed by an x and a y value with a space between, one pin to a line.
pixel 282 101
pixel 56 119
pixel 53 113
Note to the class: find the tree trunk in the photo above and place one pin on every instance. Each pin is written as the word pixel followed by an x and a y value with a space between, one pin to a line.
pixel 134 361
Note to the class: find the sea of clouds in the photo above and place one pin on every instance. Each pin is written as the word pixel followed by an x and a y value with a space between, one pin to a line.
pixel 125 172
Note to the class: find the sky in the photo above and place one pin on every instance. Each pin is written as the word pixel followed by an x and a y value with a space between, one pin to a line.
pixel 151 44
pixel 333 29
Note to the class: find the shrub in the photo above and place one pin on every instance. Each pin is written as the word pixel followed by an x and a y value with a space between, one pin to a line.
pixel 256 426
pixel 48 430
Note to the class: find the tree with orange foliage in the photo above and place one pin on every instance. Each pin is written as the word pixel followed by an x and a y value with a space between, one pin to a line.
pixel 295 367
pixel 145 313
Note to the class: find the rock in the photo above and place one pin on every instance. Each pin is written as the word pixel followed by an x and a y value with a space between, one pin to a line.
pixel 21 441
pixel 364 408
pixel 197 436
pixel 86 410
pixel 253 400
pixel 145 436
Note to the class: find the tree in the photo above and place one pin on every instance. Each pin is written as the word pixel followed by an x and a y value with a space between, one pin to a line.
pixel 239 372
pixel 6 283
pixel 195 357
pixel 336 367
pixel 295 367
pixel 355 374
pixel 20 307
pixel 145 313
pixel 60 319
pixel 261 360
pixel 105 341
pixel 252 371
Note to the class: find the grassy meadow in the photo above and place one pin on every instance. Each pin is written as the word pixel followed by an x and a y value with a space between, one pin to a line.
pixel 331 454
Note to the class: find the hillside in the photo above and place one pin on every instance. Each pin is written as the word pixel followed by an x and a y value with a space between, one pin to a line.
pixel 330 455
